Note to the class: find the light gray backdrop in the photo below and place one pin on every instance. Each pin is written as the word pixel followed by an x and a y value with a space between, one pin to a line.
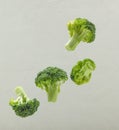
pixel 32 36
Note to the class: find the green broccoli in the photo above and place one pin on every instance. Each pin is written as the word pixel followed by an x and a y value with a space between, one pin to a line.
pixel 80 29
pixel 82 71
pixel 23 106
pixel 50 80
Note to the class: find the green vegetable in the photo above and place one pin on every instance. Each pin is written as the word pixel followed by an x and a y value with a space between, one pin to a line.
pixel 50 80
pixel 80 29
pixel 81 73
pixel 23 106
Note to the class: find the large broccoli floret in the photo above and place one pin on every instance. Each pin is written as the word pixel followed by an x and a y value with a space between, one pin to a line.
pixel 80 29
pixel 50 80
pixel 23 106
pixel 82 71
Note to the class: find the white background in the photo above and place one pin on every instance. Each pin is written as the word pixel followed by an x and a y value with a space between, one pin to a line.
pixel 32 37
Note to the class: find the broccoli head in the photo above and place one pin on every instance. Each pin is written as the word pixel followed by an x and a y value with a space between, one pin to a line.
pixel 80 29
pixel 82 71
pixel 23 106
pixel 50 80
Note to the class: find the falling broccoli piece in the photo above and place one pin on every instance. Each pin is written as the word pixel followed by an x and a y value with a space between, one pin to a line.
pixel 50 80
pixel 82 71
pixel 23 106
pixel 80 29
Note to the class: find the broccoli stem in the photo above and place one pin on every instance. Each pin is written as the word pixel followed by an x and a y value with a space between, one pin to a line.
pixel 74 41
pixel 53 93
pixel 21 93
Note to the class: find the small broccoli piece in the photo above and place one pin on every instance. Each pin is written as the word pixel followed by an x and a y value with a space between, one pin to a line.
pixel 23 106
pixel 82 71
pixel 80 29
pixel 50 80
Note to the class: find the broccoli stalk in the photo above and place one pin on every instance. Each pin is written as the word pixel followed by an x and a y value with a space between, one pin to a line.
pixel 53 93
pixel 80 30
pixel 22 97
pixel 23 106
pixel 50 80
pixel 74 41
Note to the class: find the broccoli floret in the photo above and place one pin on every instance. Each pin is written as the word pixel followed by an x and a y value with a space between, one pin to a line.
pixel 50 80
pixel 80 29
pixel 23 106
pixel 82 71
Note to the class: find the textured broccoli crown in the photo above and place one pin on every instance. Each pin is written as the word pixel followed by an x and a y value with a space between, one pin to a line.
pixel 81 73
pixel 50 75
pixel 80 29
pixel 50 80
pixel 23 106
pixel 27 108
